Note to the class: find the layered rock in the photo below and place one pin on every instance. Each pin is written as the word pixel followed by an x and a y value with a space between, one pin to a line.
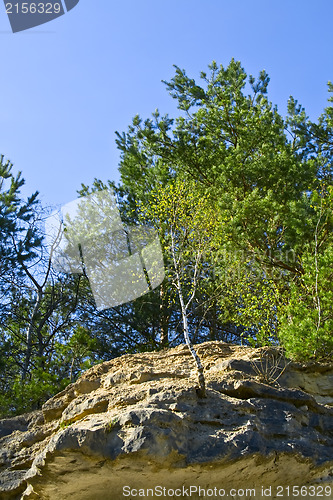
pixel 136 422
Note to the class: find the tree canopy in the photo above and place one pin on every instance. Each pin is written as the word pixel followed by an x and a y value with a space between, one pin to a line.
pixel 242 200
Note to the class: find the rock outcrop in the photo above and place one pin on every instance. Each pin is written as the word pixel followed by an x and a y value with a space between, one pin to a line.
pixel 132 426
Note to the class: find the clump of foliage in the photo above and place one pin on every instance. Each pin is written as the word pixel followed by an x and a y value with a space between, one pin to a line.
pixel 242 200
pixel 307 320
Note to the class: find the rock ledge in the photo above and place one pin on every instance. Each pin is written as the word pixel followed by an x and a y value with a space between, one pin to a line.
pixel 137 421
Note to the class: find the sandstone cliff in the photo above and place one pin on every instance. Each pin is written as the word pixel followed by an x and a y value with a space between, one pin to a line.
pixel 136 421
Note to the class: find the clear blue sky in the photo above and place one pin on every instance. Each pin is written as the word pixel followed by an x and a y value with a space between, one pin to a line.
pixel 68 85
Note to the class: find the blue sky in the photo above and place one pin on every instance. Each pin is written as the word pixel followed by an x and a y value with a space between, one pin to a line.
pixel 68 85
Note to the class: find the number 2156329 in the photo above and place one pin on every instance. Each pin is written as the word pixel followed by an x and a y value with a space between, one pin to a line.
pixel 33 8
pixel 317 491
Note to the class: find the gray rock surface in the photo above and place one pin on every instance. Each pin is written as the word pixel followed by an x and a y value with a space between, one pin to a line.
pixel 136 421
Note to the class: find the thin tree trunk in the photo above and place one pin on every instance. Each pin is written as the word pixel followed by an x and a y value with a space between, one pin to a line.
pixel 164 319
pixel 71 369
pixel 201 378
pixel 29 335
pixel 213 323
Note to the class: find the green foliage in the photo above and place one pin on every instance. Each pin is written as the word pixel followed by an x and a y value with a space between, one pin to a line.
pixel 188 227
pixel 241 198
pixel 307 320
pixel 42 347
pixel 64 425
pixel 111 425
pixel 78 353
pixel 236 146
pixel 19 238
pixel 21 396
pixel 180 210
pixel 260 170
pixel 254 304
